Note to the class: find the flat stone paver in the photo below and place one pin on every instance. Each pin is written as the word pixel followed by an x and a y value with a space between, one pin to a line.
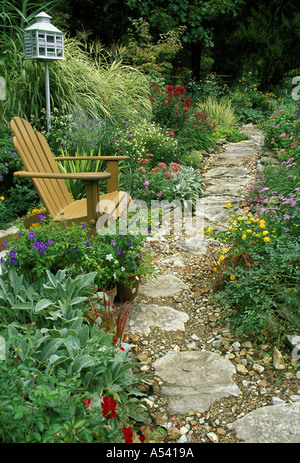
pixel 269 425
pixel 144 316
pixel 165 285
pixel 193 380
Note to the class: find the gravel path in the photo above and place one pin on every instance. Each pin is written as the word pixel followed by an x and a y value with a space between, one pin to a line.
pixel 175 354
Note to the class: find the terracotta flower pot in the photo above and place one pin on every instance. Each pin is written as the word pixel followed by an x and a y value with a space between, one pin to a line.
pixel 127 291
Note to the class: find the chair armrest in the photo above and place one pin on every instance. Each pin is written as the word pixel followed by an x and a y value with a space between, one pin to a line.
pixel 84 176
pixel 91 158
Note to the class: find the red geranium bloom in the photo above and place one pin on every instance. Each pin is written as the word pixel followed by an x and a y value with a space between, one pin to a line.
pixel 128 434
pixel 87 402
pixel 108 406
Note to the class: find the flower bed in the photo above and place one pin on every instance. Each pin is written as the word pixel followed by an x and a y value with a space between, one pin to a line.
pixel 256 273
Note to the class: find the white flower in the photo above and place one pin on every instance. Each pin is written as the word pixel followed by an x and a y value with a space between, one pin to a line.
pixel 122 269
pixel 109 257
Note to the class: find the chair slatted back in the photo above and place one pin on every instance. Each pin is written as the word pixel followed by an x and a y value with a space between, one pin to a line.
pixel 36 156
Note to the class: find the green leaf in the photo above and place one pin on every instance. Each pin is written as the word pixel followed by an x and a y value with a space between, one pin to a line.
pixel 83 335
pixel 42 304
pixel 50 348
pixel 81 362
pixel 79 423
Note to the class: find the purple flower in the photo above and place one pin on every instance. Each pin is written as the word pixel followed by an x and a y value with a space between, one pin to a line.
pixel 129 243
pixel 4 244
pixel 118 252
pixel 113 243
pixel 286 217
pixel 42 216
pixel 31 235
pixel 87 245
pixel 83 225
pixel 50 241
pixel 75 250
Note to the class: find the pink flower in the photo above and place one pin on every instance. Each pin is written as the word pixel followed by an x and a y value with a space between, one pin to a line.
pixel 294 143
pixel 282 135
pixel 141 169
pixel 168 175
pixel 156 169
pixel 281 151
pixel 162 165
pixel 171 133
pixel 281 111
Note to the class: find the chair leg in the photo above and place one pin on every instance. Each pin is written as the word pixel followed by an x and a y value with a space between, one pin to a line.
pixel 92 198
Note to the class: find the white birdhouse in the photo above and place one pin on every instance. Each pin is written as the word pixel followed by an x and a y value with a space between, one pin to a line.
pixel 43 41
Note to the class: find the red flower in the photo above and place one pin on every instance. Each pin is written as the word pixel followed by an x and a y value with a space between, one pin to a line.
pixel 108 406
pixel 128 434
pixel 168 175
pixel 115 339
pixel 87 402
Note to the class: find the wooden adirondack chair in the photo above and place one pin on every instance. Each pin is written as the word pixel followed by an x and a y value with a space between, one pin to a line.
pixel 40 165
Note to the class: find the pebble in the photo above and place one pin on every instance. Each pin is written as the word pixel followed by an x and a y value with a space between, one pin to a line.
pixel 241 369
pixel 212 437
pixel 258 368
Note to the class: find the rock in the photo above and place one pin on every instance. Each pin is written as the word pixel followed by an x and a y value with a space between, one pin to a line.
pixel 165 285
pixel 212 437
pixel 241 369
pixel 174 433
pixel 196 245
pixel 271 424
pixel 143 316
pixel 278 361
pixel 258 368
pixel 277 401
pixel 183 439
pixel 193 380
pixel 184 430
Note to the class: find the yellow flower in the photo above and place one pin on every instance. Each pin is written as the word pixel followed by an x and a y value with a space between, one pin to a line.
pixel 214 270
pixel 249 231
pixel 1 198
pixel 244 236
pixel 265 232
pixel 262 225
pixel 222 257
pixel 240 218
pixel 232 277
pixel 266 239
pixel 224 249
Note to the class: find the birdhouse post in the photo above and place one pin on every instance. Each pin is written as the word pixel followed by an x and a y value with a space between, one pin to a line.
pixel 44 42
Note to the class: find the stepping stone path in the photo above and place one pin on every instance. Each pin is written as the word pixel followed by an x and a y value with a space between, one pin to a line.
pixel 191 381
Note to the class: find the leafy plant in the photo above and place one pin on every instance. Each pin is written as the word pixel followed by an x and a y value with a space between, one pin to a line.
pixel 71 383
pixel 220 110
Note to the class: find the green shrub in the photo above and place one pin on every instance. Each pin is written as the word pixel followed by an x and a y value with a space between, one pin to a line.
pixel 230 134
pixel 62 379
